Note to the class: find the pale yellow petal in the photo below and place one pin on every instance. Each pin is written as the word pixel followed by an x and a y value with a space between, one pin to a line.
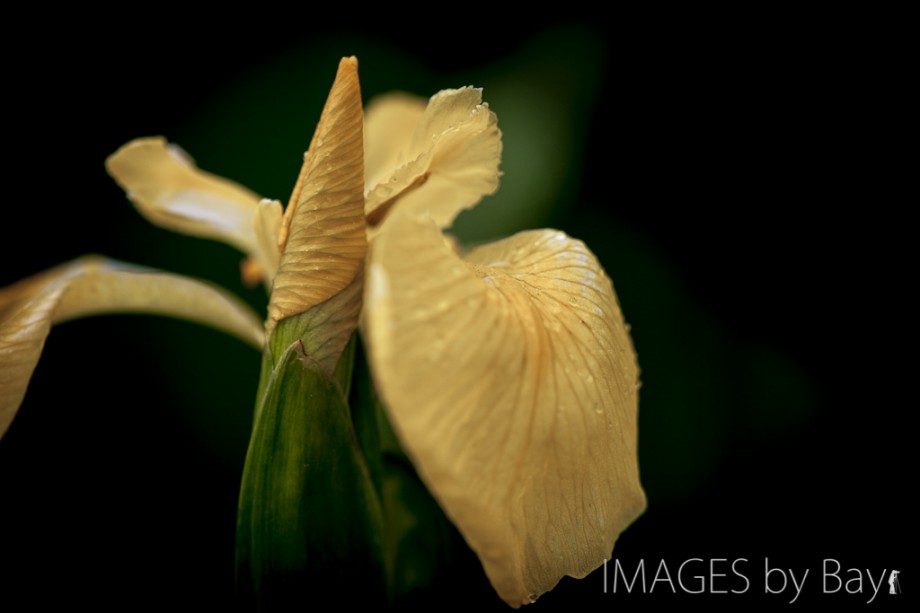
pixel 323 233
pixel 389 127
pixel 511 379
pixel 93 286
pixel 267 227
pixel 451 163
pixel 170 191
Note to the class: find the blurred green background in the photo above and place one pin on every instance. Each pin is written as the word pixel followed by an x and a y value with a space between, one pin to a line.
pixel 736 185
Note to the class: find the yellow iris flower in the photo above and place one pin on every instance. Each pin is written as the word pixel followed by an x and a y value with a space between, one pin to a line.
pixel 507 371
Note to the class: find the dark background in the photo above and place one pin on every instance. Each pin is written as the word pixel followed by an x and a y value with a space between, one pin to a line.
pixel 741 185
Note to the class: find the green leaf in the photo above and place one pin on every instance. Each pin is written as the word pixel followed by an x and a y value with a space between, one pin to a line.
pixel 365 415
pixel 419 535
pixel 310 526
pixel 345 369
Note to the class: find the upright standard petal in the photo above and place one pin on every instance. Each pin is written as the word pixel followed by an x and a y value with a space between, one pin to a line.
pixel 447 164
pixel 323 233
pixel 93 286
pixel 511 380
pixel 389 127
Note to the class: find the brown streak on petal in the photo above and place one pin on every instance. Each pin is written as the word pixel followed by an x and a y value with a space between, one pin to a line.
pixel 251 272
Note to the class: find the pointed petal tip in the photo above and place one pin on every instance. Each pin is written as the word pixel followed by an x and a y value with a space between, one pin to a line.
pixel 323 239
pixel 347 72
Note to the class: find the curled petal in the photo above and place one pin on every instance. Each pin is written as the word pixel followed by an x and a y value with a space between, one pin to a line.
pixel 448 164
pixel 323 233
pixel 93 286
pixel 170 191
pixel 511 380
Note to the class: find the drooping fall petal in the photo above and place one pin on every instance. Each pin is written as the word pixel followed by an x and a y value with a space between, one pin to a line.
pixel 93 286
pixel 510 376
pixel 323 231
pixel 445 165
pixel 170 191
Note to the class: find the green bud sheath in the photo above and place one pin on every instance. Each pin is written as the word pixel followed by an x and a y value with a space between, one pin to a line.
pixel 310 525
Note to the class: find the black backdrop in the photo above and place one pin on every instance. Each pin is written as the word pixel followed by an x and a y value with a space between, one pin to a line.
pixel 740 184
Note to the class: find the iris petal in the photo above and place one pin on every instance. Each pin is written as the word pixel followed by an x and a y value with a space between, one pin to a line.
pixel 389 126
pixel 511 379
pixel 445 165
pixel 323 238
pixel 94 286
pixel 170 191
